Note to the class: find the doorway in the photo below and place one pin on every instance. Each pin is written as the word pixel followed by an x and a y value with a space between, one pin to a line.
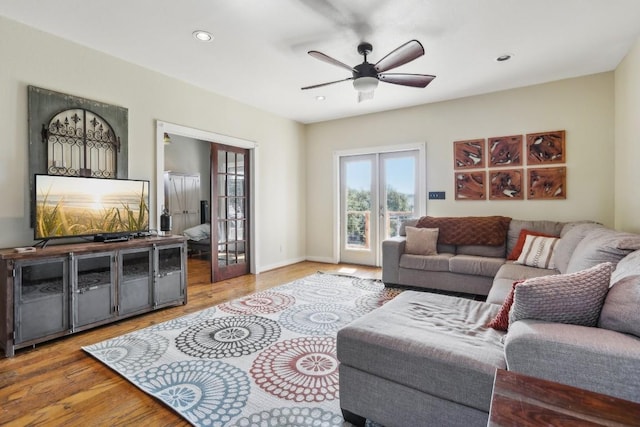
pixel 377 192
pixel 208 138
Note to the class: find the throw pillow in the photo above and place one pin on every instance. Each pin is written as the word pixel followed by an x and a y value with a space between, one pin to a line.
pixel 421 241
pixel 517 249
pixel 575 298
pixel 620 311
pixel 501 321
pixel 538 251
pixel 198 232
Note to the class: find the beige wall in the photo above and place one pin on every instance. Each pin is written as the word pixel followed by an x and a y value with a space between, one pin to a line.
pixel 581 106
pixel 295 186
pixel 627 130
pixel 31 57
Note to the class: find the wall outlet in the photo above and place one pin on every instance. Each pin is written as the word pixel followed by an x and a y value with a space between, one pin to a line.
pixel 436 195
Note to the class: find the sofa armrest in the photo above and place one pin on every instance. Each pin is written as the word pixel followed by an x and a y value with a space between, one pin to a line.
pixel 392 250
pixel 595 359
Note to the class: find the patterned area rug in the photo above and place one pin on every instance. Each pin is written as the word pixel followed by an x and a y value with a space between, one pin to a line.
pixel 268 359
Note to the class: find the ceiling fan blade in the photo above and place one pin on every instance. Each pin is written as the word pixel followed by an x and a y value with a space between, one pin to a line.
pixel 406 53
pixel 325 58
pixel 326 84
pixel 414 80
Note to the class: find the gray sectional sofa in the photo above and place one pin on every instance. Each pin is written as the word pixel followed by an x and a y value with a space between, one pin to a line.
pixel 429 359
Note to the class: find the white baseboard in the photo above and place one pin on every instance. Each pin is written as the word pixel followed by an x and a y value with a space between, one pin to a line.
pixel 264 268
pixel 321 259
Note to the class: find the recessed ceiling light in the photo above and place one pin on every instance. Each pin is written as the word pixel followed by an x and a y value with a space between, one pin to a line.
pixel 320 98
pixel 504 57
pixel 203 36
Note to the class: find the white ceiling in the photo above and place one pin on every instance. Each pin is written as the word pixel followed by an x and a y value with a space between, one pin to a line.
pixel 259 54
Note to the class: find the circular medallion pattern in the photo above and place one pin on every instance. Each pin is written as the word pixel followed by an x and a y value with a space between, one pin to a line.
pixel 132 352
pixel 318 319
pixel 299 417
pixel 368 284
pixel 377 299
pixel 301 369
pixel 325 291
pixel 206 392
pixel 233 336
pixel 184 321
pixel 259 303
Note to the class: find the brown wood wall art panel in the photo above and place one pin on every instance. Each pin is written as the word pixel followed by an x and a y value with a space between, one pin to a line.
pixel 547 183
pixel 546 147
pixel 505 151
pixel 470 185
pixel 506 184
pixel 469 154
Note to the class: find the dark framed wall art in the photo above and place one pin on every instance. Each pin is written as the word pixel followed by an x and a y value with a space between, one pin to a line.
pixel 546 147
pixel 469 154
pixel 505 151
pixel 470 185
pixel 549 183
pixel 502 172
pixel 506 184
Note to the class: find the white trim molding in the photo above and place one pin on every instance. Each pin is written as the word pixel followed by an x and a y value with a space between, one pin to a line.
pixel 421 191
pixel 171 128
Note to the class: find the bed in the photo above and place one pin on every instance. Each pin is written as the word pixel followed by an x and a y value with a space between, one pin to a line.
pixel 198 240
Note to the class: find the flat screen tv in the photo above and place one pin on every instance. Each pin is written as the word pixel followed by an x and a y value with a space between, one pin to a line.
pixel 69 206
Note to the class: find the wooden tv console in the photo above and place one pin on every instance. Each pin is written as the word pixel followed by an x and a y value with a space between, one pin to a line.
pixel 63 289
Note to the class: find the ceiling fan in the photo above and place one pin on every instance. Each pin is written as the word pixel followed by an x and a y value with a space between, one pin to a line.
pixel 366 76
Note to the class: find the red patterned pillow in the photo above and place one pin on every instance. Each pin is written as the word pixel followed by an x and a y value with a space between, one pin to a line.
pixel 517 249
pixel 501 321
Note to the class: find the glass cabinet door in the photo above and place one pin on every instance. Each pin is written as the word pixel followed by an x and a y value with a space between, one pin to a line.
pixel 136 279
pixel 41 298
pixel 93 294
pixel 170 277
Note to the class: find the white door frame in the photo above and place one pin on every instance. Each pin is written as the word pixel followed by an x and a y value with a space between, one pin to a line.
pixel 162 127
pixel 421 191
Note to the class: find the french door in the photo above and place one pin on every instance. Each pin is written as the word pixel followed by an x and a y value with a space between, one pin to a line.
pixel 230 212
pixel 377 191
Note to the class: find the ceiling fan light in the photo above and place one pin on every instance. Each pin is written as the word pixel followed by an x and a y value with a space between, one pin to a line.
pixel 365 84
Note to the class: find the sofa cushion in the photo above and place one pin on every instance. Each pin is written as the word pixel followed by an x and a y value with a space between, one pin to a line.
pixel 628 266
pixel 410 222
pixel 481 250
pixel 575 298
pixel 439 262
pixel 538 251
pixel 437 344
pixel 621 310
pixel 552 228
pixel 571 235
pixel 475 265
pixel 602 245
pixel 469 230
pixel 421 241
pixel 509 273
pixel 517 249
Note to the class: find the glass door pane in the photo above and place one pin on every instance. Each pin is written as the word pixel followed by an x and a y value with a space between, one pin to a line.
pixel 358 211
pixel 399 183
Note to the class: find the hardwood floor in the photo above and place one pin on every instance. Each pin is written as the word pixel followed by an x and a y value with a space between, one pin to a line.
pixel 58 384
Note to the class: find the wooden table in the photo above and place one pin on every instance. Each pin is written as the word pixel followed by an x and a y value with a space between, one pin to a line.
pixel 519 400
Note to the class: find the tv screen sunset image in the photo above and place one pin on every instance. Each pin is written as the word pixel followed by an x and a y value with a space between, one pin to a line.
pixel 74 206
